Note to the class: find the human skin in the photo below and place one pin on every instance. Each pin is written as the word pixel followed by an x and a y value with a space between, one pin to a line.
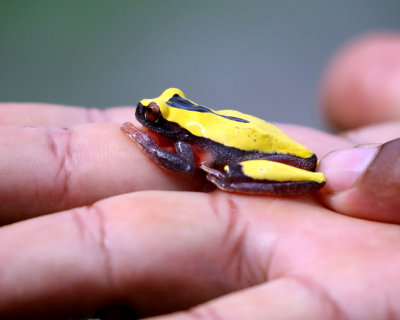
pixel 90 222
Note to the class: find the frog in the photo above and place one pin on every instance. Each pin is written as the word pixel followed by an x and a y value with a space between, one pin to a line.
pixel 238 152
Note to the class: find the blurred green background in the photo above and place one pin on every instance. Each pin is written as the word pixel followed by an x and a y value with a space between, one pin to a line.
pixel 263 57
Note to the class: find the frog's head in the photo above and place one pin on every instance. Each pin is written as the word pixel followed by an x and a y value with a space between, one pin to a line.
pixel 152 113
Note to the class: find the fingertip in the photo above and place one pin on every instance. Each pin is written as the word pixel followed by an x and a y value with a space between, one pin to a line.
pixel 361 84
pixel 342 168
pixel 364 182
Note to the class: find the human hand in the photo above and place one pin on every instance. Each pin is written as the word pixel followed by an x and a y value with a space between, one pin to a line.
pixel 158 251
pixel 360 94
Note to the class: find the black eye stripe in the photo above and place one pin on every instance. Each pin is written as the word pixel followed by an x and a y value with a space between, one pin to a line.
pixel 181 103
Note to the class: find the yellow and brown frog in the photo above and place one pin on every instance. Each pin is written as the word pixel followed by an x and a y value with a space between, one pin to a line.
pixel 239 152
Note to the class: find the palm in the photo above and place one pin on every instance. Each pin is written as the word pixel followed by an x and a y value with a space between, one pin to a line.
pixel 347 265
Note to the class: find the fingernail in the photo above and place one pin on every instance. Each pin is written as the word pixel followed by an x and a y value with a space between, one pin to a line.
pixel 342 168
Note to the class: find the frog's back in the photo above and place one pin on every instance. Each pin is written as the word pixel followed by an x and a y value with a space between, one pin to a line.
pixel 228 127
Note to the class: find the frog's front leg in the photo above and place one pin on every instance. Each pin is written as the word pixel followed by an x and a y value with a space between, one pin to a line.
pixel 181 161
pixel 265 177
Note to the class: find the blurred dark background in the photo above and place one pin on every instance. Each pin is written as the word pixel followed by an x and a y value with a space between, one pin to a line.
pixel 263 57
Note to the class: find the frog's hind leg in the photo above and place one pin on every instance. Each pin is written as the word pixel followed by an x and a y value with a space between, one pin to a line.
pixel 267 188
pixel 265 177
pixel 180 161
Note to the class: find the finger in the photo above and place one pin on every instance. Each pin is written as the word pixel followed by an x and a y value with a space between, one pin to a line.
pixel 278 299
pixel 34 114
pixel 52 115
pixel 364 182
pixel 377 133
pixel 361 85
pixel 159 252
pixel 132 250
pixel 45 170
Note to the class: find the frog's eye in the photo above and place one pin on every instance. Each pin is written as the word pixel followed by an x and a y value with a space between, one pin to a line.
pixel 152 112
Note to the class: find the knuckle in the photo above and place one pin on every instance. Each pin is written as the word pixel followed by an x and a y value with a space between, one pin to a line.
pixel 59 143
pixel 91 223
pixel 234 239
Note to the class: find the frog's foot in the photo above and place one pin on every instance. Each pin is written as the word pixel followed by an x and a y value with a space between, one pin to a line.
pixel 182 160
pixel 139 136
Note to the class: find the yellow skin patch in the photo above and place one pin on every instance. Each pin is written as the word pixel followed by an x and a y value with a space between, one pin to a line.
pixel 276 171
pixel 253 135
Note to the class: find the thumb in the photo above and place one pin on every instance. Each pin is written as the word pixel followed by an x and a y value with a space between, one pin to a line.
pixel 364 182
